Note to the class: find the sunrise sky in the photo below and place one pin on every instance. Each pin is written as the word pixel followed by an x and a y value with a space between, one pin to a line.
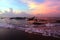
pixel 43 7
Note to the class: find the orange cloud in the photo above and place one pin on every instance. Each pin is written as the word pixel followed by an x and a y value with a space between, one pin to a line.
pixel 47 7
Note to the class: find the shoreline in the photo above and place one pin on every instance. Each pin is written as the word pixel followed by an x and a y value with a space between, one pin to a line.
pixel 14 34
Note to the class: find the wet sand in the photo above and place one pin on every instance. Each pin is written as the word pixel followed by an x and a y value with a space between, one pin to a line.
pixel 13 34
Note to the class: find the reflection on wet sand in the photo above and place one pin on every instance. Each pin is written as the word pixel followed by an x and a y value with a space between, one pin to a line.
pixel 13 34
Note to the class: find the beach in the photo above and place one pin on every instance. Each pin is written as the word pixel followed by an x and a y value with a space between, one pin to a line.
pixel 13 34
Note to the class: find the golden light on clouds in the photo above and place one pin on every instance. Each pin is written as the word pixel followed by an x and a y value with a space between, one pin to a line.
pixel 40 9
pixel 32 5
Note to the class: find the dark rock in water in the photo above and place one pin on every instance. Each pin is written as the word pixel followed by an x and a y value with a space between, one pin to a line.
pixel 35 23
pixel 18 18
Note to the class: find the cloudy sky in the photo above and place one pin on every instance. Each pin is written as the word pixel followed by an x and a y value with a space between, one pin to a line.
pixel 34 7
